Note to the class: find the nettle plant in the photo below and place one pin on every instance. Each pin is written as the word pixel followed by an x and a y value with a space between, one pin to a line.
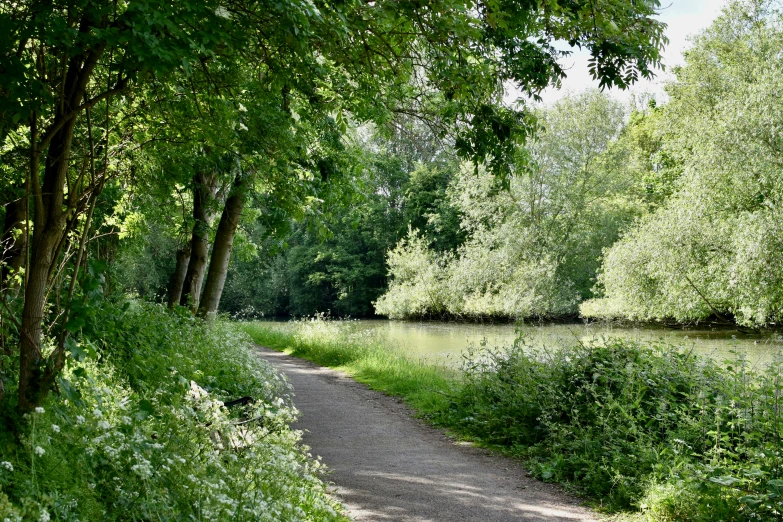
pixel 647 426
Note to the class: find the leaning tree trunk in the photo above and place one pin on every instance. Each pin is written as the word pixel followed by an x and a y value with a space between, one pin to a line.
pixel 13 244
pixel 178 277
pixel 36 374
pixel 204 189
pixel 221 249
pixel 48 231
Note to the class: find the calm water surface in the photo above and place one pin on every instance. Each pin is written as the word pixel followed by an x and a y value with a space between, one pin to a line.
pixel 447 341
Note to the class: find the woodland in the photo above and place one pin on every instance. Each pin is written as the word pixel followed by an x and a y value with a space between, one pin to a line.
pixel 658 210
pixel 166 165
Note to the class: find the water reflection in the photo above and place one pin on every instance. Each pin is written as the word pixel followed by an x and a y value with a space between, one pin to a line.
pixel 447 341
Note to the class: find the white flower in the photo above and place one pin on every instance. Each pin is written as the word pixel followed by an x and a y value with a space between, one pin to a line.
pixel 79 419
pixel 98 413
pixel 242 108
pixel 39 451
pixel 55 428
pixel 39 410
pixel 44 517
pixel 104 425
pixel 143 468
pixel 7 465
pixel 242 126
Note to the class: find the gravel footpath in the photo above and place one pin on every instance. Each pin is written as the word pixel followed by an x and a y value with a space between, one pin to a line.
pixel 386 465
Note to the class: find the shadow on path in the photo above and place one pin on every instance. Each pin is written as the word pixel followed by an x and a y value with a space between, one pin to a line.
pixel 387 465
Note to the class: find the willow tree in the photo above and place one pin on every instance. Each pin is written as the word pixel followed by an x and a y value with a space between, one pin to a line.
pixel 713 248
pixel 445 61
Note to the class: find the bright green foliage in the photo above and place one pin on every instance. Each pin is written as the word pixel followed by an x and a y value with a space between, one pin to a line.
pixel 714 248
pixel 641 145
pixel 651 427
pixel 419 284
pixel 645 428
pixel 531 250
pixel 140 431
pixel 364 355
pixel 334 259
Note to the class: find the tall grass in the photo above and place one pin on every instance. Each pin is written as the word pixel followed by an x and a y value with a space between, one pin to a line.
pixel 648 430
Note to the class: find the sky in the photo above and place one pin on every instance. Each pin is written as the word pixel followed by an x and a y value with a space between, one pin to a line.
pixel 683 18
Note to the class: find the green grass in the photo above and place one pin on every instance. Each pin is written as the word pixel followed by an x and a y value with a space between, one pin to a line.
pixel 425 387
pixel 645 431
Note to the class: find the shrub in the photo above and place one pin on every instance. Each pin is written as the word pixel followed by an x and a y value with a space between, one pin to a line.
pixel 140 431
pixel 645 426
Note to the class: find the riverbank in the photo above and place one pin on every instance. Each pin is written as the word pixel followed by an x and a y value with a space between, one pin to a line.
pixel 642 430
pixel 445 342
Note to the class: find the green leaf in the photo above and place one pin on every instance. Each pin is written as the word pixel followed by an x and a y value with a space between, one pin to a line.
pixel 146 409
pixel 74 324
pixel 74 349
pixel 725 480
pixel 69 391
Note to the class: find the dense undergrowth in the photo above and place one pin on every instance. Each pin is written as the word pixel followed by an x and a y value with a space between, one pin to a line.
pixel 646 430
pixel 139 431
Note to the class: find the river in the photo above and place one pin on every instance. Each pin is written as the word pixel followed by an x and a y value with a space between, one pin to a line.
pixel 446 341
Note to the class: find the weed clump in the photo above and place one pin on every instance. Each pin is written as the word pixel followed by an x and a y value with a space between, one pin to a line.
pixel 140 431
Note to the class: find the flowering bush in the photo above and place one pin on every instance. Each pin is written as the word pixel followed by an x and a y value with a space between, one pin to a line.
pixel 140 431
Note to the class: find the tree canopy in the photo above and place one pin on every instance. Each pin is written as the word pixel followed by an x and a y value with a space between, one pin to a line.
pixel 711 249
pixel 229 97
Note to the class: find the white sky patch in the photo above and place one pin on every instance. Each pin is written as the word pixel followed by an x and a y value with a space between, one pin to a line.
pixel 684 18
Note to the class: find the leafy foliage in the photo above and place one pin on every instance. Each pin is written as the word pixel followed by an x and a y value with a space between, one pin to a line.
pixel 334 257
pixel 653 427
pixel 141 431
pixel 532 250
pixel 711 248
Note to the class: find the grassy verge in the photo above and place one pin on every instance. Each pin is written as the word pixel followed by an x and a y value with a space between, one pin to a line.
pixel 139 431
pixel 645 430
pixel 426 387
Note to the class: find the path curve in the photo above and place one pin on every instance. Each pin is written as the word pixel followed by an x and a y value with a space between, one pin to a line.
pixel 388 466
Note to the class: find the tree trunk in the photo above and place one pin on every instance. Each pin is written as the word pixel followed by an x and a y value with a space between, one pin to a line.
pixel 204 189
pixel 13 244
pixel 221 249
pixel 47 233
pixel 36 375
pixel 178 277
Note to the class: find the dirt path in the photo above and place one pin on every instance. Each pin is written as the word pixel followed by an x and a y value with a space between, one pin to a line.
pixel 387 465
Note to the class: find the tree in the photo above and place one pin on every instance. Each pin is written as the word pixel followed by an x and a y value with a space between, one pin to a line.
pixel 712 249
pixel 63 60
pixel 531 250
